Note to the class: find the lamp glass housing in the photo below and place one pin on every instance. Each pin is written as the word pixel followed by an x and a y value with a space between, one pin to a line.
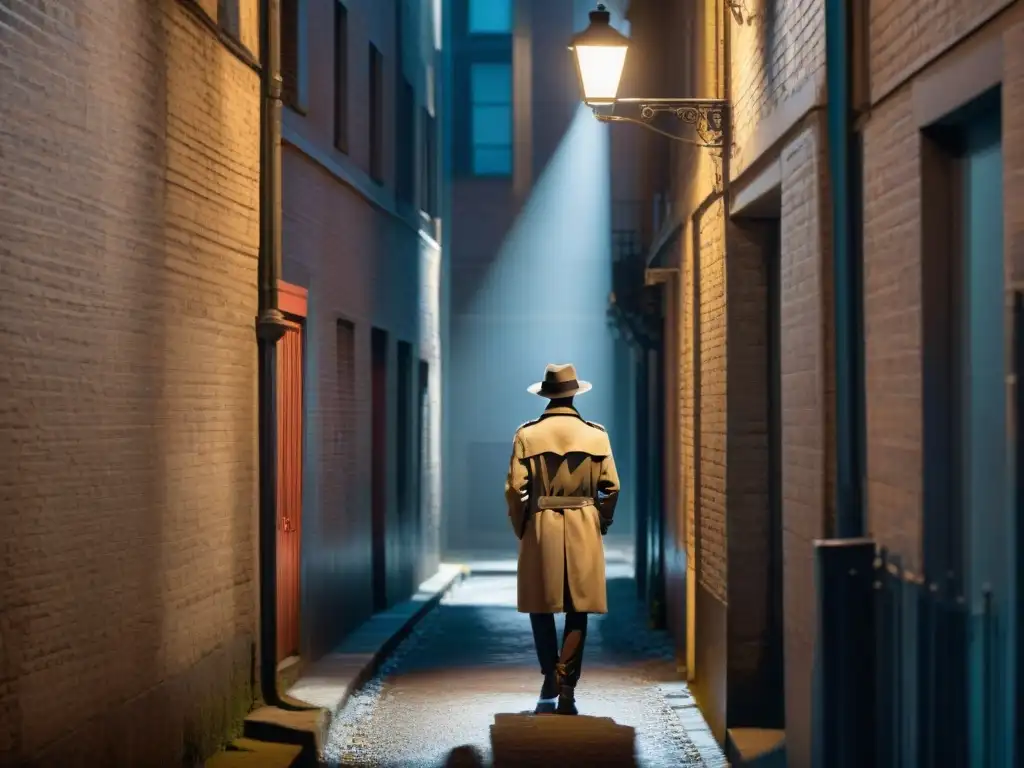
pixel 600 69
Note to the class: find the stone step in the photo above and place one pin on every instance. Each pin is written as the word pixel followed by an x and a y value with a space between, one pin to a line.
pixel 756 747
pixel 249 753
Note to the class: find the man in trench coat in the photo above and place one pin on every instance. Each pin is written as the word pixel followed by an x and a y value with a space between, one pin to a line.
pixel 561 492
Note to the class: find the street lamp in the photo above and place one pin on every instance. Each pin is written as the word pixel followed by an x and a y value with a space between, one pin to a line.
pixel 600 57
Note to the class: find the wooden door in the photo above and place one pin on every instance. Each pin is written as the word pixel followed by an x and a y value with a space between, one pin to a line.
pixel 289 476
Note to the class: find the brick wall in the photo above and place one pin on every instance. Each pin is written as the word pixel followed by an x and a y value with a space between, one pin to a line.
pixel 892 326
pixel 712 387
pixel 129 174
pixel 777 45
pixel 777 53
pixel 805 327
pixel 907 34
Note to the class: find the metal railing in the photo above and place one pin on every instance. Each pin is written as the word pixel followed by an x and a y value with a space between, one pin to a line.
pixel 906 670
pixel 921 634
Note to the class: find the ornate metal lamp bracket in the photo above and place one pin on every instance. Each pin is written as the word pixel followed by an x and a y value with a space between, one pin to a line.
pixel 708 117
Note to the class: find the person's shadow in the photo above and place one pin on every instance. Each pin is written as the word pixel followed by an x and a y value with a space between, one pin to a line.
pixel 528 739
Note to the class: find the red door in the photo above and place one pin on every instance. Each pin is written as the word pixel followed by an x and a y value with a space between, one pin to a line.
pixel 289 472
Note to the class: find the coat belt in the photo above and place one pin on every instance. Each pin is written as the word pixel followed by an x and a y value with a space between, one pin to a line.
pixel 564 502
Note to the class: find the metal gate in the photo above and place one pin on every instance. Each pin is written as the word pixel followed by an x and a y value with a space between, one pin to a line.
pixel 289 473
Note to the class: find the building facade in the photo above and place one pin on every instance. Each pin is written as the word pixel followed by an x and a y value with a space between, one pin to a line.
pixel 362 244
pixel 942 251
pixel 788 423
pixel 129 170
pixel 531 254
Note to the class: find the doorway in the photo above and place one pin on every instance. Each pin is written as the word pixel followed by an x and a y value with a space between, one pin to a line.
pixel 379 470
pixel 983 418
pixel 775 685
pixel 289 471
pixel 404 471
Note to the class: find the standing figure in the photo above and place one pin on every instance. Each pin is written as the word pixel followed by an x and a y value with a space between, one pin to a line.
pixel 561 492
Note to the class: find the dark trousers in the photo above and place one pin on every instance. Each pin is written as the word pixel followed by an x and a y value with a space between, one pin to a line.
pixel 545 638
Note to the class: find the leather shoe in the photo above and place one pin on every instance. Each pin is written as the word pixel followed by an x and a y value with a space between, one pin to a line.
pixel 548 695
pixel 567 701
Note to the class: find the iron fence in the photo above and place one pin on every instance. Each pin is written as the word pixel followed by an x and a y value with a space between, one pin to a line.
pixel 921 668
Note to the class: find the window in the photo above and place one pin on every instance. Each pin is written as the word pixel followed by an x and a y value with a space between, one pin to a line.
pixel 490 17
pixel 405 132
pixel 376 114
pixel 293 54
pixel 340 77
pixel 428 163
pixel 491 119
pixel 228 17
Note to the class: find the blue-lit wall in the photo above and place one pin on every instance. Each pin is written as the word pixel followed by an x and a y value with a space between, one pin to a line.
pixel 531 275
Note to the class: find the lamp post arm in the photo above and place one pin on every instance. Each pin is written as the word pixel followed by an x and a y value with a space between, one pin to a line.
pixel 707 116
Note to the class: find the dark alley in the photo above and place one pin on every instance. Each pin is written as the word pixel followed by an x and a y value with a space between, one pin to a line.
pixel 348 348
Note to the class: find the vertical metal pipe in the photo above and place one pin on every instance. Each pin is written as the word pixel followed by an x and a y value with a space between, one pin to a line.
pixel 270 327
pixel 846 282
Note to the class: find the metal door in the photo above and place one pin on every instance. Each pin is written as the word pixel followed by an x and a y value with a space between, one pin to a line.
pixel 289 488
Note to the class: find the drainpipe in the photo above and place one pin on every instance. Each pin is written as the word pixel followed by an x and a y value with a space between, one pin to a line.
pixel 270 327
pixel 843 725
pixel 849 521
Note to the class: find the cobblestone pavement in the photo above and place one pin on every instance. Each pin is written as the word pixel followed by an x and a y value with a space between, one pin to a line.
pixel 458 690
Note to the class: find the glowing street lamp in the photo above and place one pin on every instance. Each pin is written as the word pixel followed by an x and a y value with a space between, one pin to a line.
pixel 600 57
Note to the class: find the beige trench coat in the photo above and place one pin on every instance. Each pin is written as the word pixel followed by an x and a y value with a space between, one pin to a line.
pixel 561 492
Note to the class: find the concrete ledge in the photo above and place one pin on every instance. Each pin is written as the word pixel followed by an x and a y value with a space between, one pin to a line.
pixel 760 747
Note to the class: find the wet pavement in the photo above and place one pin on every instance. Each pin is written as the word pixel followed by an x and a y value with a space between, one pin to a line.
pixel 460 690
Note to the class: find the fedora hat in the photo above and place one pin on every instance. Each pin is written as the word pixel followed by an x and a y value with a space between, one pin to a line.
pixel 559 381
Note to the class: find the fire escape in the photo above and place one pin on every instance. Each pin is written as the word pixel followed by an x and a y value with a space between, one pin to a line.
pixel 634 308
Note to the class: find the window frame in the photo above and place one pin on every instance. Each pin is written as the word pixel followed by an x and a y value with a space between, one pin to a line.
pixel 472 144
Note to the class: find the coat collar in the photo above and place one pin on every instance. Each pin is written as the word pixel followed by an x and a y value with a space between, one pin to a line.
pixel 560 410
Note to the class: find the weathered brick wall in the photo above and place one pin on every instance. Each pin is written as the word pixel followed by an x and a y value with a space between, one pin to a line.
pixel 128 175
pixel 777 45
pixel 712 387
pixel 906 34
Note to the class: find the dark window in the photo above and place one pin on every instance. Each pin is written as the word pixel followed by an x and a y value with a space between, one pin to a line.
pixel 376 114
pixel 489 17
pixel 491 118
pixel 341 77
pixel 428 158
pixel 405 132
pixel 228 17
pixel 291 54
